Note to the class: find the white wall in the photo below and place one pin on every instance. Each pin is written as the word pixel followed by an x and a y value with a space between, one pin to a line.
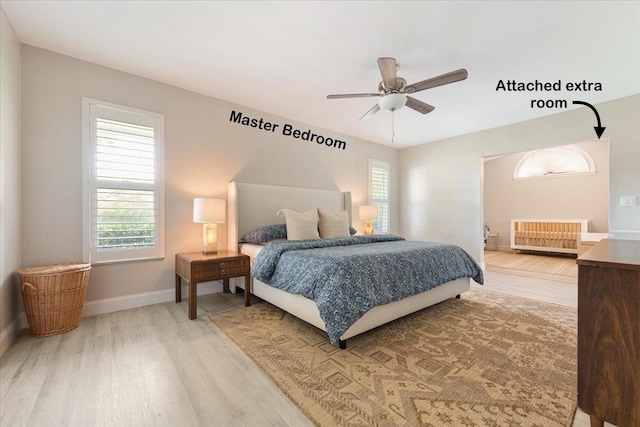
pixel 441 184
pixel 583 196
pixel 10 181
pixel 203 152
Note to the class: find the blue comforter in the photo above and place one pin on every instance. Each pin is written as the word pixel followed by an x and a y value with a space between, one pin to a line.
pixel 348 276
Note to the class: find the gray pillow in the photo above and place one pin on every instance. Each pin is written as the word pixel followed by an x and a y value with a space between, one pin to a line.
pixel 265 234
pixel 269 233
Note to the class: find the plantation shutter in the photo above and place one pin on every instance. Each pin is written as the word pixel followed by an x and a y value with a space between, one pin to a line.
pixel 379 177
pixel 554 161
pixel 126 189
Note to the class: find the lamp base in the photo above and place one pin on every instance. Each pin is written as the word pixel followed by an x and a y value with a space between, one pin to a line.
pixel 209 238
pixel 368 228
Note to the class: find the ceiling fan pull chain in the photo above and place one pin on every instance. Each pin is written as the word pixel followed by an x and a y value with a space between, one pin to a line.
pixel 393 126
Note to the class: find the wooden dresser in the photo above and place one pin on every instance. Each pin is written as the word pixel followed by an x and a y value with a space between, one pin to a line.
pixel 609 333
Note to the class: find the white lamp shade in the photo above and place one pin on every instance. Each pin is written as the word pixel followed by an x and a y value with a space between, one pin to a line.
pixel 209 210
pixel 393 101
pixel 368 212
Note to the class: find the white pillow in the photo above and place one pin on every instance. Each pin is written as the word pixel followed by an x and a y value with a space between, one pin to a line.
pixel 334 224
pixel 300 225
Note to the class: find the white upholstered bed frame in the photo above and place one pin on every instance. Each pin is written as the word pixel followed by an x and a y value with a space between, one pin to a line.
pixel 255 205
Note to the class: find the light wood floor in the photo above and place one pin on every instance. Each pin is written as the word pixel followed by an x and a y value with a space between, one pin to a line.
pixel 556 266
pixel 153 366
pixel 145 366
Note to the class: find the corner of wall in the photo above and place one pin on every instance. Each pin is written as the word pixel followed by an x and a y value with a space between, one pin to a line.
pixel 11 318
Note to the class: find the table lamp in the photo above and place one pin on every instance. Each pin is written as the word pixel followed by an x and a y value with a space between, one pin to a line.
pixel 209 213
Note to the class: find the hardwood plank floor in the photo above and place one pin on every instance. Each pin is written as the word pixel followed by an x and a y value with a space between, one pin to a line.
pixel 153 366
pixel 553 291
pixel 523 263
pixel 145 366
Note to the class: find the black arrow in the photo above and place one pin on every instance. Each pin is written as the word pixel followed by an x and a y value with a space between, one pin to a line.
pixel 599 129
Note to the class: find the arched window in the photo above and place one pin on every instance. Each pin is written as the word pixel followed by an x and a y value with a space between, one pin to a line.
pixel 555 161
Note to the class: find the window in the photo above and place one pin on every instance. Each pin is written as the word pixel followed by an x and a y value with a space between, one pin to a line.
pixel 123 192
pixel 554 162
pixel 379 179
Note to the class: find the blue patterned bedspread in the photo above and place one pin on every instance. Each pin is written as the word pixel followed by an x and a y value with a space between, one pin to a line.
pixel 348 276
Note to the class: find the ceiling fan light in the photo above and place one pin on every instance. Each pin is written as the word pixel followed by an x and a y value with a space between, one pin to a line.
pixel 393 101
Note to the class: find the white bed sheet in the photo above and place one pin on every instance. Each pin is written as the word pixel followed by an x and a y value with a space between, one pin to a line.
pixel 250 249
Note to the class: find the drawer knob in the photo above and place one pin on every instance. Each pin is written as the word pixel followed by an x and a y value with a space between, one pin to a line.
pixel 222 272
pixel 222 264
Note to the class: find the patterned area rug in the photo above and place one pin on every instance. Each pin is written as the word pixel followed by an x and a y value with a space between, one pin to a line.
pixel 486 359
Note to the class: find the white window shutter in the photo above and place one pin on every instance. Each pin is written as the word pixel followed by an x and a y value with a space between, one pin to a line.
pixel 555 161
pixel 124 193
pixel 379 184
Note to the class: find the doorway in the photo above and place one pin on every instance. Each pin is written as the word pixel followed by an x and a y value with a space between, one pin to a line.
pixel 558 196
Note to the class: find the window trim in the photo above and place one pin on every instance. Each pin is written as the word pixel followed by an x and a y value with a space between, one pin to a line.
pixel 90 185
pixel 381 164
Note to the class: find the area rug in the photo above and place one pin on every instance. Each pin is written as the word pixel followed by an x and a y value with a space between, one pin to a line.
pixel 486 359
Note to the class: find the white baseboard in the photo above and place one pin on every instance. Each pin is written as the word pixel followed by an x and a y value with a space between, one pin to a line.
pixel 9 334
pixel 109 305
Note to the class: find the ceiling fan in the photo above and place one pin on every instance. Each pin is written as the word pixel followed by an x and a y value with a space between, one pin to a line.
pixel 393 90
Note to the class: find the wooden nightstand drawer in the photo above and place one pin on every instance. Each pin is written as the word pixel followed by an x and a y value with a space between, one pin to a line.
pixel 221 268
pixel 206 270
pixel 236 267
pixel 235 271
pixel 231 264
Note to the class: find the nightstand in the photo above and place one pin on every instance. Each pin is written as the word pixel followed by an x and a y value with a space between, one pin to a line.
pixel 195 267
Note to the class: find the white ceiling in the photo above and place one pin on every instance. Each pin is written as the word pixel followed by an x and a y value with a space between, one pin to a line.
pixel 285 57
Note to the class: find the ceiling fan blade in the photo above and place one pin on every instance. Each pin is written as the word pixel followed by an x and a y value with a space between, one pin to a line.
pixel 353 95
pixel 389 71
pixel 419 106
pixel 444 79
pixel 371 112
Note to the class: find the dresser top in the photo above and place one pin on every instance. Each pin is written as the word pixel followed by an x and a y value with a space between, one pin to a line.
pixel 623 254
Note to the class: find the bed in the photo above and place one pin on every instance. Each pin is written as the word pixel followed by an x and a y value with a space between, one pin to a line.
pixel 251 206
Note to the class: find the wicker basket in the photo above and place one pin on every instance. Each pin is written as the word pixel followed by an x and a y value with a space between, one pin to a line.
pixel 53 296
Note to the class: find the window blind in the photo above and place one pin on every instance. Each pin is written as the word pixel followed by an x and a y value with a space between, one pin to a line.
pixel 553 162
pixel 125 157
pixel 125 219
pixel 379 178
pixel 125 152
